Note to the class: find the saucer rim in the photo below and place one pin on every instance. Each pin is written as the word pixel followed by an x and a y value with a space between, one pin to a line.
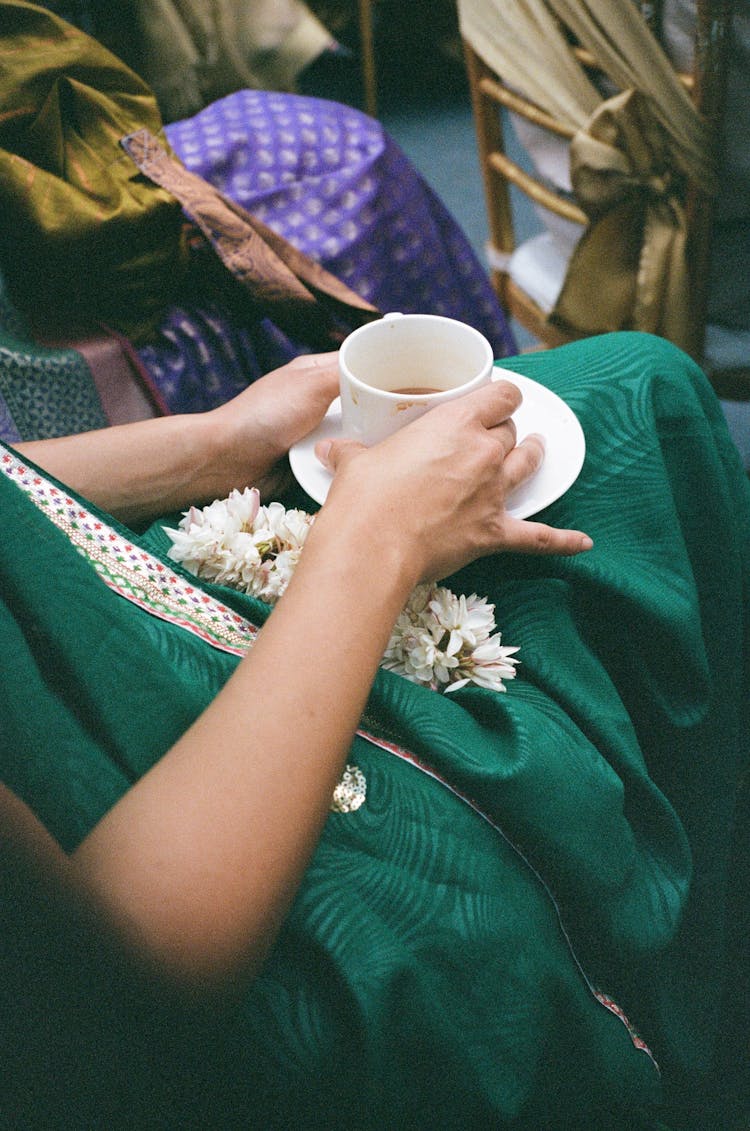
pixel 306 468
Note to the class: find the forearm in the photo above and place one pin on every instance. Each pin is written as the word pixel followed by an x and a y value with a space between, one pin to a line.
pixel 202 858
pixel 135 471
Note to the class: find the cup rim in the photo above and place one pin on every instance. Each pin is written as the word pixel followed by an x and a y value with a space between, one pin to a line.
pixel 394 316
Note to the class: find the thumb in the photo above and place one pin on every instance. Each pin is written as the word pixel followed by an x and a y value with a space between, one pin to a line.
pixel 332 453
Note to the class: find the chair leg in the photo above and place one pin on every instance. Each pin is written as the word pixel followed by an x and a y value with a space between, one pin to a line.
pixel 367 49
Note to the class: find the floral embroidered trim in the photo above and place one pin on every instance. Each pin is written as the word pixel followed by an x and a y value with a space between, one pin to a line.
pixel 130 571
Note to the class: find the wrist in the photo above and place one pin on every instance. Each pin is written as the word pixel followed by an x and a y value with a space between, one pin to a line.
pixel 199 458
pixel 367 548
pixel 235 458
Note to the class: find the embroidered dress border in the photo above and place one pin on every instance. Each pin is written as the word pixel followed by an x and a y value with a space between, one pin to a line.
pixel 603 998
pixel 140 577
pixel 130 571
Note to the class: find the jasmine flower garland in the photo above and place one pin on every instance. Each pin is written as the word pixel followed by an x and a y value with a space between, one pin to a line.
pixel 439 640
pixel 445 642
pixel 237 542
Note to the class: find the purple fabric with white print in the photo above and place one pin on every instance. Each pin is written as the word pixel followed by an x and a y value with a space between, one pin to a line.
pixel 331 181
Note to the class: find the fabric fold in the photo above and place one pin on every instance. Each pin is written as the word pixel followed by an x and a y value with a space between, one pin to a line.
pixel 283 282
pixel 629 269
pixel 632 157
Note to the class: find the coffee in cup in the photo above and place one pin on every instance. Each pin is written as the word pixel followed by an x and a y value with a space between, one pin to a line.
pixel 394 370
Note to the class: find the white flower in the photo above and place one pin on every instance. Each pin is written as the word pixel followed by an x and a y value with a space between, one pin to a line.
pixel 486 666
pixel 237 542
pixel 439 640
pixel 445 642
pixel 470 620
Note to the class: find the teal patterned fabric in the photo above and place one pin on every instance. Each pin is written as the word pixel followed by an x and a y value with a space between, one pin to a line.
pixel 456 949
pixel 43 392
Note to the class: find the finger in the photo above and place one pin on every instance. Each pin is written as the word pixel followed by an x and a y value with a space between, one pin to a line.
pixel 330 357
pixel 332 453
pixel 506 434
pixel 523 461
pixel 493 403
pixel 315 360
pixel 490 405
pixel 523 537
pixel 313 374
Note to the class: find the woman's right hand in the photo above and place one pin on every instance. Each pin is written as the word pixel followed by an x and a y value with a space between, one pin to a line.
pixel 440 484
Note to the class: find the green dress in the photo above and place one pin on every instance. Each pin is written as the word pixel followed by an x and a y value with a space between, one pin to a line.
pixel 534 919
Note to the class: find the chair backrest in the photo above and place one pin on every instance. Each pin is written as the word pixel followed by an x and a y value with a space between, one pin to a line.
pixel 529 276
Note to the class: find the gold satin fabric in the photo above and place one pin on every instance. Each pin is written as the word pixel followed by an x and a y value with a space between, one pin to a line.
pixel 192 52
pixel 630 159
pixel 84 238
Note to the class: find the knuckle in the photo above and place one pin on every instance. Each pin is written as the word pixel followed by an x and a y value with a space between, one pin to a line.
pixel 544 537
pixel 496 530
pixel 509 393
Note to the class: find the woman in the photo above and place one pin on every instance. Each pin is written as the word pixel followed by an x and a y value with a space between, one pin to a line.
pixel 459 950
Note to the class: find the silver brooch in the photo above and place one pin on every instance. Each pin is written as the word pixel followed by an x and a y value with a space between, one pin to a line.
pixel 351 791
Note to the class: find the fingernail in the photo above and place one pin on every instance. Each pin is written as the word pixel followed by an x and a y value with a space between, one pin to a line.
pixel 586 542
pixel 323 451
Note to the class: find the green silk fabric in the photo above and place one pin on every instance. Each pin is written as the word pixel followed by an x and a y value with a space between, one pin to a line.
pixel 436 970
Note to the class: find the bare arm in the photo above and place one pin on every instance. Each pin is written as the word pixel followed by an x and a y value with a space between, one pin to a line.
pixel 136 471
pixel 198 863
pixel 228 820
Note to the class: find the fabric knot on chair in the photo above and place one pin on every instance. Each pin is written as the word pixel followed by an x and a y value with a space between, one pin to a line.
pixel 629 269
pixel 623 149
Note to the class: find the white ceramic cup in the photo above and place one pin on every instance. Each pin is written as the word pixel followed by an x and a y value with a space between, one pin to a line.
pixel 385 366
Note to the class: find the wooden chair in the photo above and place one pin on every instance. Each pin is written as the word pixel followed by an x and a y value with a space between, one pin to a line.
pixel 366 18
pixel 492 100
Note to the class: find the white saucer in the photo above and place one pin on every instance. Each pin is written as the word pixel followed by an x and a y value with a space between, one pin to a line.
pixel 541 411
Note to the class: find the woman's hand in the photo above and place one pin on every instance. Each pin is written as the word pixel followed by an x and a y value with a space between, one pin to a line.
pixel 440 484
pixel 256 429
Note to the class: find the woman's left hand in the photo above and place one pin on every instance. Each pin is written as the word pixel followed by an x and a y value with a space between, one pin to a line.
pixel 152 467
pixel 256 429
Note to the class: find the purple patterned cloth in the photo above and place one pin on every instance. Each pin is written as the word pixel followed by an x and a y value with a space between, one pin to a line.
pixel 332 181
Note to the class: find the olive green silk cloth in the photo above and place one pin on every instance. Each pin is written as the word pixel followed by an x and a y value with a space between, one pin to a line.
pixel 630 155
pixel 192 52
pixel 572 835
pixel 83 234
